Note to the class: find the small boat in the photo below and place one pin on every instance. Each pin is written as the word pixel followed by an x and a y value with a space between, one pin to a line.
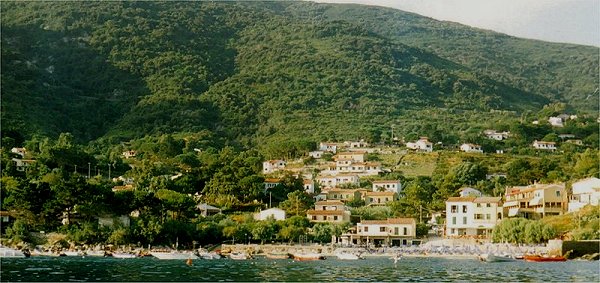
pixel 539 258
pixel 348 256
pixel 209 255
pixel 239 256
pixel 95 253
pixel 277 255
pixel 71 253
pixel 123 255
pixel 174 255
pixel 11 253
pixel 308 256
pixel 495 258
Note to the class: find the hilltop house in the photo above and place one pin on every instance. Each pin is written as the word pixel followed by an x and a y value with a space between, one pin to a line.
pixel 129 154
pixel 389 232
pixel 271 183
pixel 555 121
pixel 536 201
pixel 422 144
pixel 22 164
pixel 356 144
pixel 309 186
pixel 328 181
pixel 333 211
pixel 387 185
pixel 208 210
pixel 544 145
pixel 316 154
pixel 326 146
pixel 585 192
pixel 469 192
pixel 469 147
pixel 342 194
pixel 472 216
pixel 19 150
pixel 492 134
pixel 271 166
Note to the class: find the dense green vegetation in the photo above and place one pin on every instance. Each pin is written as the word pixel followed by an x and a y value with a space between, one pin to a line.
pixel 253 72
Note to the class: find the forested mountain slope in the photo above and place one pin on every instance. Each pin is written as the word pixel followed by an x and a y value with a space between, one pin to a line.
pixel 247 72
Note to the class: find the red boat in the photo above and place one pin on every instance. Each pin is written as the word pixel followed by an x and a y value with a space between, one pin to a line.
pixel 539 258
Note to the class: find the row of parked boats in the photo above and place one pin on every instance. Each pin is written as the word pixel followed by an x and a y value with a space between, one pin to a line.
pixel 532 258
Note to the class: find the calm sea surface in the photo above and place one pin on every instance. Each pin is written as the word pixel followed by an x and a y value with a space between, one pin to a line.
pixel 62 269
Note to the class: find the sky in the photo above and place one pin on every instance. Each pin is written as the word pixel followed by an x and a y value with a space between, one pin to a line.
pixel 571 21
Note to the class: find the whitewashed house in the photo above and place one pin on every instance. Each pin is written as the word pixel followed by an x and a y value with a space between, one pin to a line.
pixel 423 144
pixel 309 186
pixel 275 213
pixel 316 154
pixel 544 145
pixel 469 147
pixel 387 185
pixel 271 183
pixel 472 216
pixel 493 135
pixel 356 144
pixel 129 154
pixel 329 181
pixel 271 166
pixel 333 211
pixel 327 146
pixel 19 150
pixel 556 121
pixel 585 192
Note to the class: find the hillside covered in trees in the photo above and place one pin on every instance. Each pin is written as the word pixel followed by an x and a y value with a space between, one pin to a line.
pixel 240 74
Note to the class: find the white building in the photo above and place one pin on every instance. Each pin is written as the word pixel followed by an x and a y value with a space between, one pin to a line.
pixel 555 121
pixel 309 186
pixel 316 154
pixel 271 166
pixel 469 147
pixel 19 150
pixel 129 154
pixel 356 144
pixel 335 181
pixel 422 144
pixel 585 192
pixel 376 233
pixel 327 146
pixel 275 213
pixel 544 145
pixel 333 211
pixel 387 185
pixel 271 183
pixel 491 134
pixel 472 216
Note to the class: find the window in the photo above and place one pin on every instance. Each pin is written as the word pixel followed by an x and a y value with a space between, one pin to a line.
pixel 478 216
pixel 488 216
pixel 488 205
pixel 405 231
pixel 335 217
pixel 454 220
pixel 395 230
pixel 558 193
pixel 465 220
pixel 453 209
pixel 366 229
pixel 452 231
pixel 479 205
pixel 314 217
pixel 381 229
pixel 464 209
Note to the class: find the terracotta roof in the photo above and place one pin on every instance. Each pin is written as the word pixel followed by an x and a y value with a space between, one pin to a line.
pixel 307 182
pixel 460 199
pixel 272 180
pixel 488 200
pixel 4 213
pixel 325 212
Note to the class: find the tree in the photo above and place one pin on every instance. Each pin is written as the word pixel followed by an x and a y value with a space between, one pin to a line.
pixel 297 203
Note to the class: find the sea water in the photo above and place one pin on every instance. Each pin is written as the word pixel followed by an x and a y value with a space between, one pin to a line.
pixel 62 269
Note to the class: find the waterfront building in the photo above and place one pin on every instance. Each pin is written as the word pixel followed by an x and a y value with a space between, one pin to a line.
pixel 472 216
pixel 536 201
pixel 585 192
pixel 376 233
